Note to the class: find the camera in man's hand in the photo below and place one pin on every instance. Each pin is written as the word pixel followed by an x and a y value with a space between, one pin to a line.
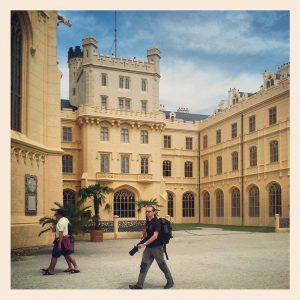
pixel 134 250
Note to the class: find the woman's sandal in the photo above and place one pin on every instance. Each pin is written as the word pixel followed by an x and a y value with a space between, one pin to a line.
pixel 48 273
pixel 75 271
pixel 44 269
pixel 68 270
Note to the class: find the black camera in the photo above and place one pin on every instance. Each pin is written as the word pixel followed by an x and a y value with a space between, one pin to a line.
pixel 134 250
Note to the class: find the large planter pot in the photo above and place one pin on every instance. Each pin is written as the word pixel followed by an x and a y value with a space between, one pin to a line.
pixel 96 236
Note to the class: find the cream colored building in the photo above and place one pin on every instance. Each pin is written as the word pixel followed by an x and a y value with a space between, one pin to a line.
pixel 36 177
pixel 120 137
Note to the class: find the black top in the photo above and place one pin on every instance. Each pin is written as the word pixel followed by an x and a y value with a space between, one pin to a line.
pixel 151 227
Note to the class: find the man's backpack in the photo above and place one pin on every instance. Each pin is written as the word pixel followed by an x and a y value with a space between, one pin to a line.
pixel 165 233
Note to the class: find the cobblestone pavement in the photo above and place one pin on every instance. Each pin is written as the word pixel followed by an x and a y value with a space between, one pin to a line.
pixel 200 259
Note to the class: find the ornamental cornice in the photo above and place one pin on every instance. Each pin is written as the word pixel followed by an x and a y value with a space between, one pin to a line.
pixel 27 155
pixel 96 121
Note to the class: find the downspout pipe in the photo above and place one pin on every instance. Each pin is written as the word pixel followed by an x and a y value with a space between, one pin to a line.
pixel 199 207
pixel 242 167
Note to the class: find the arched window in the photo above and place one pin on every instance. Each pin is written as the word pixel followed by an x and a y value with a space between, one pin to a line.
pixel 167 168
pixel 253 156
pixel 67 164
pixel 188 205
pixel 188 169
pixel 235 203
pixel 170 204
pixel 68 197
pixel 124 204
pixel 206 204
pixel 16 72
pixel 235 161
pixel 220 204
pixel 274 200
pixel 254 202
pixel 274 151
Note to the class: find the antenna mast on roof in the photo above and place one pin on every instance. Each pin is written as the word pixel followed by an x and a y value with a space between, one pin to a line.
pixel 115 33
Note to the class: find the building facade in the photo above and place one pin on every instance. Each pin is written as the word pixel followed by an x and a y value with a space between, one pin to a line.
pixel 36 177
pixel 228 168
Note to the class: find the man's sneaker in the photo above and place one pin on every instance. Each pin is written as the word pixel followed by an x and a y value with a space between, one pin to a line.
pixel 169 285
pixel 135 287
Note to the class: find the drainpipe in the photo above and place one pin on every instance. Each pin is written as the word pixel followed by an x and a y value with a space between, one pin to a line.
pixel 199 209
pixel 242 167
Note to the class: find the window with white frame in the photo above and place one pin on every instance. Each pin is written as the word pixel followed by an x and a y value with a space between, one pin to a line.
pixel 104 102
pixel 144 165
pixel 274 151
pixel 188 143
pixel 167 141
pixel 234 130
pixel 188 169
pixel 104 163
pixel 104 134
pixel 67 163
pixel 252 123
pixel 144 136
pixel 67 134
pixel 219 165
pixel 124 82
pixel 124 135
pixel 124 164
pixel 272 115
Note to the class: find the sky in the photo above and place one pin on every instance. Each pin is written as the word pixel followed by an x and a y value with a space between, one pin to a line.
pixel 203 53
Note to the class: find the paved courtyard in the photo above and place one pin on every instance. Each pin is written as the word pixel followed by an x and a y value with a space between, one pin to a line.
pixel 200 259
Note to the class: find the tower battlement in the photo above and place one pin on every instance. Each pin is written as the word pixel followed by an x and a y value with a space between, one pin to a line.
pixel 75 53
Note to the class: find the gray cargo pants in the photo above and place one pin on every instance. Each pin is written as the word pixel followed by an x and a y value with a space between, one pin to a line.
pixel 149 255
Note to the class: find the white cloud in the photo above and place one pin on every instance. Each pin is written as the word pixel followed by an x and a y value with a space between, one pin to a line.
pixel 200 87
pixel 64 82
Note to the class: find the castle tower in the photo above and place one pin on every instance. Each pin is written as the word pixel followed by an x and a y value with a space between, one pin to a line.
pixel 153 55
pixel 74 62
pixel 89 46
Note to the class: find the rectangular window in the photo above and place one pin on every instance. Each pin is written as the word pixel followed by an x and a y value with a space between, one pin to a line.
pixel 104 134
pixel 188 169
pixel 124 135
pixel 234 130
pixel 104 158
pixel 205 141
pixel 252 125
pixel 104 102
pixel 124 82
pixel 218 136
pixel 189 143
pixel 127 104
pixel 167 141
pixel 205 168
pixel 144 137
pixel 104 79
pixel 67 134
pixel 144 165
pixel 272 115
pixel 144 85
pixel 219 165
pixel 144 106
pixel 124 164
pixel 121 104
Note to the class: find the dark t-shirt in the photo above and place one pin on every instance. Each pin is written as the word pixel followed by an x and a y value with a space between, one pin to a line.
pixel 151 227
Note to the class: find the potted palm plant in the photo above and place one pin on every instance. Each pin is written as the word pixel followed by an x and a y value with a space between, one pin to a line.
pixel 77 214
pixel 97 193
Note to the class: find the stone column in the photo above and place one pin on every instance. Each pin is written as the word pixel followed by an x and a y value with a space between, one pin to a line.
pixel 116 226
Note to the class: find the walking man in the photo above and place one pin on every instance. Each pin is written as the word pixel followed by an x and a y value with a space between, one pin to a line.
pixel 62 245
pixel 154 249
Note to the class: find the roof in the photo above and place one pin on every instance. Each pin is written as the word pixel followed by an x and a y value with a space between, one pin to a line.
pixel 65 103
pixel 186 116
